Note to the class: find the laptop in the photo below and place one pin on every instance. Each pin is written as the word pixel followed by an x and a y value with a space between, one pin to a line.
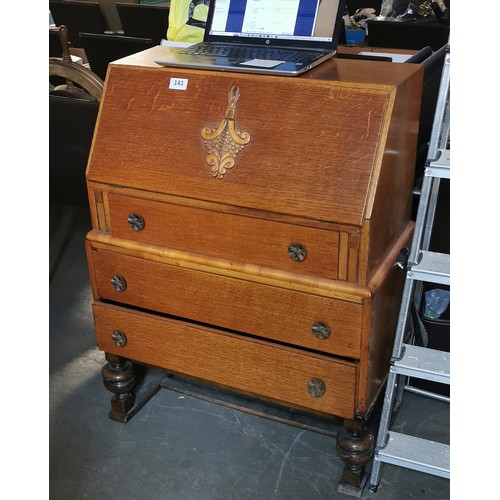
pixel 277 37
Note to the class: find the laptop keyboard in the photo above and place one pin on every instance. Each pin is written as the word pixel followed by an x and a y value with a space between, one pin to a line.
pixel 266 53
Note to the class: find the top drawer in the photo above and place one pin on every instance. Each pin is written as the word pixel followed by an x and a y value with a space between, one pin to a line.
pixel 238 238
pixel 299 147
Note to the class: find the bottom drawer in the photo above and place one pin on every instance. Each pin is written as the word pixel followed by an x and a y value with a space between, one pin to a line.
pixel 274 372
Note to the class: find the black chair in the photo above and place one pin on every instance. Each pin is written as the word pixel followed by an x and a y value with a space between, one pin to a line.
pixel 102 49
pixel 143 20
pixel 433 67
pixel 71 128
pixel 407 35
pixel 420 56
pixel 55 49
pixel 78 16
pixel 73 108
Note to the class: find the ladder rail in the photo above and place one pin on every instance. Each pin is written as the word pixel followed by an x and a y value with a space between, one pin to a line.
pixel 383 435
pixel 431 213
pixel 421 219
pixel 440 125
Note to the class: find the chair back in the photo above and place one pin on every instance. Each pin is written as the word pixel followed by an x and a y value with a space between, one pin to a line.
pixel 406 35
pixel 101 49
pixel 78 16
pixel 71 128
pixel 143 20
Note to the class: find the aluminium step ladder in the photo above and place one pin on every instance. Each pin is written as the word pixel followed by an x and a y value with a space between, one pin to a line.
pixel 410 360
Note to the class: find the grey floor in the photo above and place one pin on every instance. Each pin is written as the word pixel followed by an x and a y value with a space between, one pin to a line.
pixel 180 447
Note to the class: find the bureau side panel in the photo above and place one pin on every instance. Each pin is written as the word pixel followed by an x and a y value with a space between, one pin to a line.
pixel 255 367
pixel 380 317
pixel 389 209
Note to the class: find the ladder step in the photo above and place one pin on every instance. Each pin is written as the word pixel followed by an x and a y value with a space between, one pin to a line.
pixel 441 166
pixel 433 267
pixel 424 363
pixel 417 454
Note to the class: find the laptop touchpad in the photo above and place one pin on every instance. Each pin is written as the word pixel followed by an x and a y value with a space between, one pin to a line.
pixel 262 63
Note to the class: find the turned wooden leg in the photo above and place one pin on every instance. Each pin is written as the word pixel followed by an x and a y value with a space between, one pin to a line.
pixel 132 385
pixel 355 444
pixel 119 378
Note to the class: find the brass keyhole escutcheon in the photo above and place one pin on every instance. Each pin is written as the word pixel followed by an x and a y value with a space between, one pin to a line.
pixel 136 222
pixel 119 338
pixel 297 252
pixel 316 387
pixel 119 283
pixel 320 330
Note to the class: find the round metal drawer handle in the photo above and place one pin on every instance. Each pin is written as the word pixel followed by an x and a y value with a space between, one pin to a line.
pixel 119 283
pixel 136 222
pixel 316 387
pixel 119 338
pixel 320 330
pixel 297 252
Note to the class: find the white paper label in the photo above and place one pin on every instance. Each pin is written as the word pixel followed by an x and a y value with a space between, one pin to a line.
pixel 178 83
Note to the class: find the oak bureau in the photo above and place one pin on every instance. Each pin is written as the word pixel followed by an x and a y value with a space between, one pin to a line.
pixel 246 231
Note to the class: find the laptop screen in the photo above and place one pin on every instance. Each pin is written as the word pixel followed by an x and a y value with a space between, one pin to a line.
pixel 276 22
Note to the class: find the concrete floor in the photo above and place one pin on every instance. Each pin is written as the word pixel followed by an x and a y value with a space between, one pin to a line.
pixel 180 447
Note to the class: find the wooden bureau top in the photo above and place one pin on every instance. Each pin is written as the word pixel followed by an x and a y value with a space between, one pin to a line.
pixel 341 70
pixel 314 147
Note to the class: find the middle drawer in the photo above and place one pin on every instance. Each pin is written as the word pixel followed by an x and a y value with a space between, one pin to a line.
pixel 290 316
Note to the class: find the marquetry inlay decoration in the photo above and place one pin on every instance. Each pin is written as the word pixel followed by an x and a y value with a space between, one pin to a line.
pixel 225 141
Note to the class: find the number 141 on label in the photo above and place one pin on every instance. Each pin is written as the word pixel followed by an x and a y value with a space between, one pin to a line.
pixel 178 83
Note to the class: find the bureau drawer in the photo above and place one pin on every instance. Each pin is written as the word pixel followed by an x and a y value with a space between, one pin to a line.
pixel 229 236
pixel 278 373
pixel 286 315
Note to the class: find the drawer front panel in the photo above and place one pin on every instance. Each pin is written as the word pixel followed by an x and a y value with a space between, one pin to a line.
pixel 266 311
pixel 224 235
pixel 256 367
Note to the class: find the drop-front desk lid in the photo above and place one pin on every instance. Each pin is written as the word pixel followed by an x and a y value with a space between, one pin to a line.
pixel 312 146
